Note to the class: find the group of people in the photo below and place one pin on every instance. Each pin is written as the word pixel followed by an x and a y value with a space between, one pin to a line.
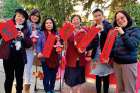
pixel 32 38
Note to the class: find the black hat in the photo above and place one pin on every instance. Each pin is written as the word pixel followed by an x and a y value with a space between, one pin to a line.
pixel 23 12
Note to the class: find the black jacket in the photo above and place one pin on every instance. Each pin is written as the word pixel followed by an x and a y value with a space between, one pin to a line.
pixel 103 35
pixel 10 48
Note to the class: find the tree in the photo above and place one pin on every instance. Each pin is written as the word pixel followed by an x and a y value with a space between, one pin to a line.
pixel 59 9
pixel 9 8
pixel 133 10
pixel 112 5
pixel 104 4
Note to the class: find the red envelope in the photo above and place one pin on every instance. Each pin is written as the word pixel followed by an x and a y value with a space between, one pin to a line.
pixel 66 31
pixel 85 41
pixel 111 37
pixel 49 45
pixel 8 30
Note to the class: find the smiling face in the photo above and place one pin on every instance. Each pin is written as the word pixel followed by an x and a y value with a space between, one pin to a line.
pixel 34 18
pixel 121 20
pixel 49 25
pixel 19 18
pixel 76 21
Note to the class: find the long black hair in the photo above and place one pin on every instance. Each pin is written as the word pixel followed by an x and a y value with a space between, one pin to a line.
pixel 35 12
pixel 54 29
pixel 129 19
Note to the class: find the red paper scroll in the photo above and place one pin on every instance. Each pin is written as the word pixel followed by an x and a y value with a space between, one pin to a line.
pixel 8 30
pixel 104 57
pixel 49 45
pixel 85 41
pixel 78 37
pixel 66 31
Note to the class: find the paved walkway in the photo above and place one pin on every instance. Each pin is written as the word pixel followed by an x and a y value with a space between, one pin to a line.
pixel 88 87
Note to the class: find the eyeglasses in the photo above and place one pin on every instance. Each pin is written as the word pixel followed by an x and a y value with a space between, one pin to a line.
pixel 120 18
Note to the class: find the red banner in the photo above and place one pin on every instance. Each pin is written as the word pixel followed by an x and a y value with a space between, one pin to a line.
pixel 111 37
pixel 78 37
pixel 85 41
pixel 49 45
pixel 66 31
pixel 138 78
pixel 8 30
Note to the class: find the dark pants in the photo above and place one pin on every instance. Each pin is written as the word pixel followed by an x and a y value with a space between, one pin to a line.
pixel 99 83
pixel 13 67
pixel 49 77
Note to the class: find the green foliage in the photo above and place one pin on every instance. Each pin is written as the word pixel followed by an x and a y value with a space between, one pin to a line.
pixel 113 6
pixel 134 10
pixel 9 8
pixel 131 6
pixel 58 9
pixel 103 3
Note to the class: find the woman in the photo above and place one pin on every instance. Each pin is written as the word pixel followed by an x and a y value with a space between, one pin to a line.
pixel 14 64
pixel 102 71
pixel 75 67
pixel 49 65
pixel 125 52
pixel 34 28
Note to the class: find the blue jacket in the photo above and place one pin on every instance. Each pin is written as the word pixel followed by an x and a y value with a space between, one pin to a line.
pixel 29 24
pixel 126 46
pixel 40 42
pixel 53 60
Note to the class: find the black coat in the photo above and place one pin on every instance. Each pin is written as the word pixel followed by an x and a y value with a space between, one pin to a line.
pixel 8 49
pixel 96 41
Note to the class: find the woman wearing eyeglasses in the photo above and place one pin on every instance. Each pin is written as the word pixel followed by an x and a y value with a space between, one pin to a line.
pixel 33 27
pixel 125 52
